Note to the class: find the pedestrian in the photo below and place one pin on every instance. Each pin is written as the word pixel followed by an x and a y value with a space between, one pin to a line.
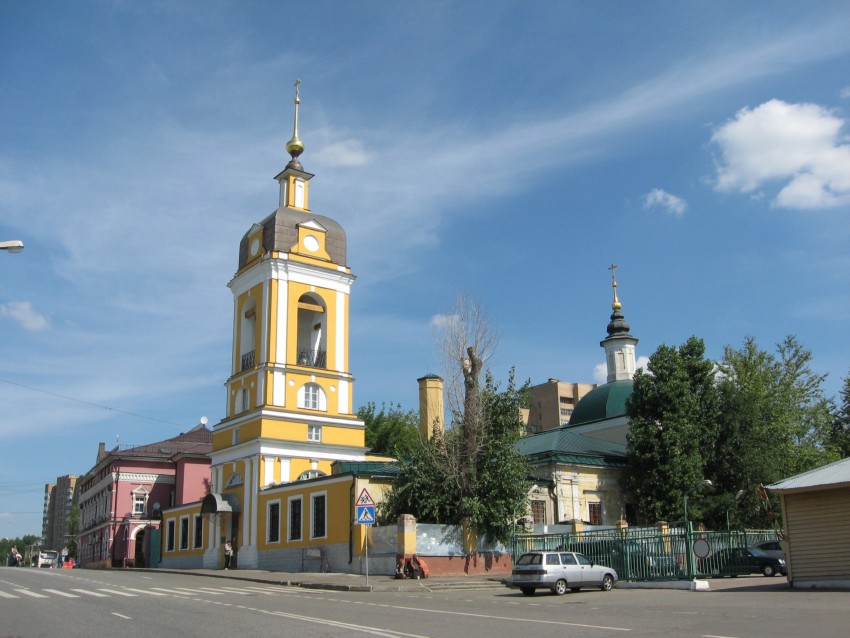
pixel 12 559
pixel 228 553
pixel 64 555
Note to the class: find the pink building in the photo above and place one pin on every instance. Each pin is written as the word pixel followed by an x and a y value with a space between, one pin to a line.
pixel 121 498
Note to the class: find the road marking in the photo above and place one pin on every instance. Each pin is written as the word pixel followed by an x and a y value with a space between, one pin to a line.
pixel 6 595
pixel 233 590
pixel 30 593
pixel 62 593
pixel 117 592
pixel 115 613
pixel 375 631
pixel 173 592
pixel 524 620
pixel 90 593
pixel 145 591
pixel 711 636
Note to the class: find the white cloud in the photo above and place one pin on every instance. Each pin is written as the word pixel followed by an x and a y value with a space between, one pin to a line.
pixel 23 313
pixel 659 198
pixel 799 145
pixel 642 363
pixel 600 373
pixel 345 153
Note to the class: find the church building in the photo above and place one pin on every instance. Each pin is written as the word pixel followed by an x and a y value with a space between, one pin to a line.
pixel 290 453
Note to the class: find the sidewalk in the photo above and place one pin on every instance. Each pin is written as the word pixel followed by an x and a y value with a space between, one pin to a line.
pixel 345 582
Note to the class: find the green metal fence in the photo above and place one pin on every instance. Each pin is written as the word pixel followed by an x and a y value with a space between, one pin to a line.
pixel 643 554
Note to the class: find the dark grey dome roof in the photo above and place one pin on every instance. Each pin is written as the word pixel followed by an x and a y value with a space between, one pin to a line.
pixel 280 233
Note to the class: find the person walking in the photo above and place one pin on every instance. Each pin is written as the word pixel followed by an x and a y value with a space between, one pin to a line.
pixel 228 553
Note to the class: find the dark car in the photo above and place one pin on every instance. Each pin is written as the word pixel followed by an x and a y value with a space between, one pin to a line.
pixel 737 561
pixel 631 558
pixel 771 548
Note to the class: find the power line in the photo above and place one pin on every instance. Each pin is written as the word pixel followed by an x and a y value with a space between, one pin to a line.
pixel 97 405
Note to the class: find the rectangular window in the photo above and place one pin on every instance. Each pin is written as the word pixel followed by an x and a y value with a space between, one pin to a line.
pixel 311 396
pixel 184 532
pixel 139 502
pixel 594 513
pixel 169 536
pixel 538 512
pixel 273 522
pixel 295 519
pixel 199 531
pixel 318 516
pixel 314 433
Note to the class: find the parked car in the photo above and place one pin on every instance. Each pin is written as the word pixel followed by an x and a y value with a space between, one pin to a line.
pixel 559 571
pixel 637 559
pixel 737 561
pixel 48 558
pixel 771 548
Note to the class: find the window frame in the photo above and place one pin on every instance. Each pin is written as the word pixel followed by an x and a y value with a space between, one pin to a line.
pixel 184 532
pixel 295 534
pixel 198 535
pixel 270 528
pixel 315 496
pixel 594 512
pixel 169 534
pixel 314 433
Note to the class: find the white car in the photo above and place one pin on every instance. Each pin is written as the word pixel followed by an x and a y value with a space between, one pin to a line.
pixel 559 571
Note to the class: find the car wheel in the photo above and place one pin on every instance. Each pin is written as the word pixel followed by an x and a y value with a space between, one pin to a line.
pixel 607 583
pixel 560 587
pixel 527 591
pixel 768 570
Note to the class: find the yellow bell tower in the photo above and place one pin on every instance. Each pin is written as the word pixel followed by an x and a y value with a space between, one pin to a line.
pixel 289 396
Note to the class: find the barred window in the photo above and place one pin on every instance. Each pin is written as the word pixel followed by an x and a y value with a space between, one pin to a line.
pixel 295 519
pixel 538 512
pixel 274 522
pixel 318 516
pixel 594 513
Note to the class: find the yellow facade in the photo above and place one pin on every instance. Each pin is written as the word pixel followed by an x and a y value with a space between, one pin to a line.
pixel 290 406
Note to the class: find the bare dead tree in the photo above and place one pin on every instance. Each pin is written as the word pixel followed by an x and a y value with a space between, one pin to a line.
pixel 466 341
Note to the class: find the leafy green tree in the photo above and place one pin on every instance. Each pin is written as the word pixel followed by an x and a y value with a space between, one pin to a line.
pixel 673 414
pixel 392 431
pixel 773 423
pixel 73 531
pixel 839 435
pixel 437 485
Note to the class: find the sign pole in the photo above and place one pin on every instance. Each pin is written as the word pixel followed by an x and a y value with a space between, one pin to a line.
pixel 367 555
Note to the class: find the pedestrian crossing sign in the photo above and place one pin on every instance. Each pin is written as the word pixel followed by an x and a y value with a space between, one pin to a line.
pixel 365 514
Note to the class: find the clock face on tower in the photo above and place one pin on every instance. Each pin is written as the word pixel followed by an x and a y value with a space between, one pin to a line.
pixel 311 243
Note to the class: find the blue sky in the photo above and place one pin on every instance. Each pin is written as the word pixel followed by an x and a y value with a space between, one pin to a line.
pixel 508 150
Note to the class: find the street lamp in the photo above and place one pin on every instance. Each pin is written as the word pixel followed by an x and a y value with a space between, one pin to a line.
pixel 13 246
pixel 689 533
pixel 734 503
pixel 700 485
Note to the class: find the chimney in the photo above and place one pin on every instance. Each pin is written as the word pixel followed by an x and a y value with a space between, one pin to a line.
pixel 101 451
pixel 431 413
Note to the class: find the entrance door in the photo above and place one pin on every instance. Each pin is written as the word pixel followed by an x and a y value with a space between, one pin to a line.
pixel 140 549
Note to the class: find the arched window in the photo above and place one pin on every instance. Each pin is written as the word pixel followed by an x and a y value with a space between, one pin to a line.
pixel 248 329
pixel 312 331
pixel 311 396
pixel 309 474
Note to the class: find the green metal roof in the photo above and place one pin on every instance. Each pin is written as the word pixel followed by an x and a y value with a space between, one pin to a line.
pixel 568 447
pixel 605 402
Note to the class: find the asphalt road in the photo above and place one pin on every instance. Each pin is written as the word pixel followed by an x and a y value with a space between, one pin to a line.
pixel 92 603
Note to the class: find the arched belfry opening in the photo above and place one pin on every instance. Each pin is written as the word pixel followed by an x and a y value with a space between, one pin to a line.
pixel 312 331
pixel 248 331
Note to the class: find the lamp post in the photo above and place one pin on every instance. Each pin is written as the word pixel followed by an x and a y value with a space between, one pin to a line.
pixel 689 532
pixel 13 246
pixel 734 503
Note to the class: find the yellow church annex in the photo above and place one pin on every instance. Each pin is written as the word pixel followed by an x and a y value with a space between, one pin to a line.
pixel 289 457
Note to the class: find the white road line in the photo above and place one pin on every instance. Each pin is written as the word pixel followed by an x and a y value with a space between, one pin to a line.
pixel 90 593
pixel 3 594
pixel 62 593
pixel 232 590
pixel 710 636
pixel 115 613
pixel 208 592
pixel 375 631
pixel 145 591
pixel 30 593
pixel 171 591
pixel 525 620
pixel 116 592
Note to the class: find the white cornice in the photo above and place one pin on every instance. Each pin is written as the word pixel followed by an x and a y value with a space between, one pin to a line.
pixel 289 270
pixel 317 418
pixel 287 449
